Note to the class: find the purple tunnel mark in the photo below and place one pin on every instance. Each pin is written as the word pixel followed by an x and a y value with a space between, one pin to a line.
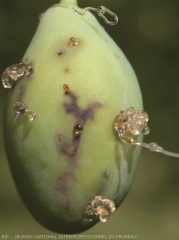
pixel 82 116
pixel 70 149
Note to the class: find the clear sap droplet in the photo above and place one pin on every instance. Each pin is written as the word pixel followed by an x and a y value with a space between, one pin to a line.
pixel 14 72
pixel 27 69
pixel 131 121
pixel 19 108
pixel 154 147
pixel 118 121
pixel 31 115
pixel 146 130
pixel 11 75
pixel 7 81
pixel 73 42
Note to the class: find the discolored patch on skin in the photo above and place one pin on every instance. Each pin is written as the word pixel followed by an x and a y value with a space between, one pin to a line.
pixel 66 70
pixel 61 53
pixel 64 181
pixel 70 149
pixel 106 174
pixel 81 115
pixel 66 88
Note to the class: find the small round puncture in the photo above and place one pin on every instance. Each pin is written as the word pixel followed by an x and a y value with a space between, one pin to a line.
pixel 20 108
pixel 102 207
pixel 106 174
pixel 14 72
pixel 73 42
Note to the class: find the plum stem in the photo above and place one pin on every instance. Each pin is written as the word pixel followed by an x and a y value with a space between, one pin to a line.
pixel 69 2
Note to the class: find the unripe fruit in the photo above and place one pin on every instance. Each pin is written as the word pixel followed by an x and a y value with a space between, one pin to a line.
pixel 68 154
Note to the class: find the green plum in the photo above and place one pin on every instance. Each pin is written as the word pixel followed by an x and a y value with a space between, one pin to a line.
pixel 65 156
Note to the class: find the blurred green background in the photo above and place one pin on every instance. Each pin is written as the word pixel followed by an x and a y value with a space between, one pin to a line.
pixel 148 34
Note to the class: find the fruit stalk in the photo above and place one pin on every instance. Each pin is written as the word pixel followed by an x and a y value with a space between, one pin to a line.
pixel 69 2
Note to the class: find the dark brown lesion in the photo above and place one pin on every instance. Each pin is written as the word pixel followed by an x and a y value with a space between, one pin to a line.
pixel 61 52
pixel 66 88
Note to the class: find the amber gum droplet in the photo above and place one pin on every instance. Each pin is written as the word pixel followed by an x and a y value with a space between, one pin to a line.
pixel 118 122
pixel 66 88
pixel 31 115
pixel 78 130
pixel 101 207
pixel 14 72
pixel 26 68
pixel 73 42
pixel 11 75
pixel 131 121
pixel 20 108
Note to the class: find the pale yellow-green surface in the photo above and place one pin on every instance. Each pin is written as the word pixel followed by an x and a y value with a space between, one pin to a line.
pixel 150 41
pixel 55 187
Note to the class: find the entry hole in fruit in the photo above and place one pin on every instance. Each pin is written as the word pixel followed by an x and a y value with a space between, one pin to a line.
pixel 66 88
pixel 20 108
pixel 73 42
pixel 66 70
pixel 101 207
pixel 78 129
pixel 15 72
pixel 106 174
pixel 60 53
pixel 131 122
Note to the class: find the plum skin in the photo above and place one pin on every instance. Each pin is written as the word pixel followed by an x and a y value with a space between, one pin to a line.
pixel 57 174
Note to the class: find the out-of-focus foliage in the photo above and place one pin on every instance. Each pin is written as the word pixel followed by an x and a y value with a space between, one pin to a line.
pixel 148 33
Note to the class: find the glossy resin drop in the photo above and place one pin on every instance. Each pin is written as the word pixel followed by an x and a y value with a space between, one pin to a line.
pixel 71 152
